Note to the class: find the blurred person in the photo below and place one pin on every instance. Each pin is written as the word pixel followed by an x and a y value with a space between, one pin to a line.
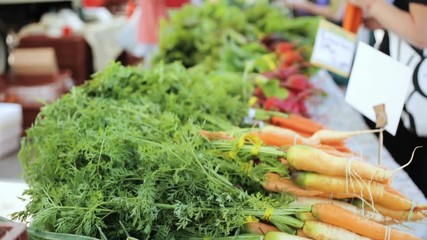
pixel 333 10
pixel 152 11
pixel 405 39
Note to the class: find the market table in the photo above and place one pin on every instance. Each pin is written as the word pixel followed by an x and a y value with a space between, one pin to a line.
pixel 324 110
pixel 9 193
pixel 335 113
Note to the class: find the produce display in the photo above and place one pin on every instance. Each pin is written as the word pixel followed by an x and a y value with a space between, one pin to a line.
pixel 205 145
pixel 252 39
pixel 117 157
pixel 223 36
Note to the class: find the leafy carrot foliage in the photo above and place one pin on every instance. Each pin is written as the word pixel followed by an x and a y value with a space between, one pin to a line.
pixel 122 155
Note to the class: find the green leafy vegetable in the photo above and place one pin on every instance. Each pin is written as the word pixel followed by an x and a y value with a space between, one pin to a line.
pixel 122 156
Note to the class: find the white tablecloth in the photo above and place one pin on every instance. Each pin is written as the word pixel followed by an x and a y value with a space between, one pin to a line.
pixel 102 39
pixel 336 114
pixel 9 193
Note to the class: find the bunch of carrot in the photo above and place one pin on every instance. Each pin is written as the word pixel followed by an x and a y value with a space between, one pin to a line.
pixel 349 198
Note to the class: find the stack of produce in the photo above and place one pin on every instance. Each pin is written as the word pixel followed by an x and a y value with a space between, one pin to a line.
pixel 255 39
pixel 349 198
pixel 169 153
pixel 222 36
pixel 123 156
pixel 284 85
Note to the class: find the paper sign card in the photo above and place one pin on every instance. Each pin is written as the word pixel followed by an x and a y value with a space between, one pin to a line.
pixel 378 79
pixel 334 48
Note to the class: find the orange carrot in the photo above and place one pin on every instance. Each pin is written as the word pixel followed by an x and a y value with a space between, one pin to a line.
pixel 280 136
pixel 275 183
pixel 361 211
pixel 352 18
pixel 297 123
pixel 323 231
pixel 300 233
pixel 259 228
pixel 369 190
pixel 290 135
pixel 340 147
pixel 402 215
pixel 283 236
pixel 311 159
pixel 335 152
pixel 273 139
pixel 342 218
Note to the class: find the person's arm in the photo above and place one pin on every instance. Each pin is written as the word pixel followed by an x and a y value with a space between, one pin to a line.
pixel 411 26
pixel 331 12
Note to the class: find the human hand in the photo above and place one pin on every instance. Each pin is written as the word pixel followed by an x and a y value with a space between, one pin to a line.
pixel 294 3
pixel 365 5
pixel 372 23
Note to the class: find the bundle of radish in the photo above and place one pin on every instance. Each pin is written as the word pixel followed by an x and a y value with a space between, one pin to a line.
pixel 286 68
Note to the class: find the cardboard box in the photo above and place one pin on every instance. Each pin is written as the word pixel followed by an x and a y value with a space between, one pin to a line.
pixel 72 53
pixel 34 61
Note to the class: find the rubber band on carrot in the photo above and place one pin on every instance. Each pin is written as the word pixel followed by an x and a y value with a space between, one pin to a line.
pixel 251 219
pixel 411 211
pixel 348 173
pixel 247 167
pixel 268 213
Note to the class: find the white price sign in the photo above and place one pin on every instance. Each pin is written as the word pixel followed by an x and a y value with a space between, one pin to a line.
pixel 334 48
pixel 378 79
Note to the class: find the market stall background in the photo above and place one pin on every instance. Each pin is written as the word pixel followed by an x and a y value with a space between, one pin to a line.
pixel 320 111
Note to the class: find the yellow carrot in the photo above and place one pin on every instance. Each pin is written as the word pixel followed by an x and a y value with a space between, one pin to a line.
pixel 327 136
pixel 399 215
pixel 336 195
pixel 331 150
pixel 369 190
pixel 323 231
pixel 304 216
pixel 275 183
pixel 282 236
pixel 307 158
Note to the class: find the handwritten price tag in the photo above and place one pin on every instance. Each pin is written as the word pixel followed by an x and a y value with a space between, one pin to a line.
pixel 334 48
